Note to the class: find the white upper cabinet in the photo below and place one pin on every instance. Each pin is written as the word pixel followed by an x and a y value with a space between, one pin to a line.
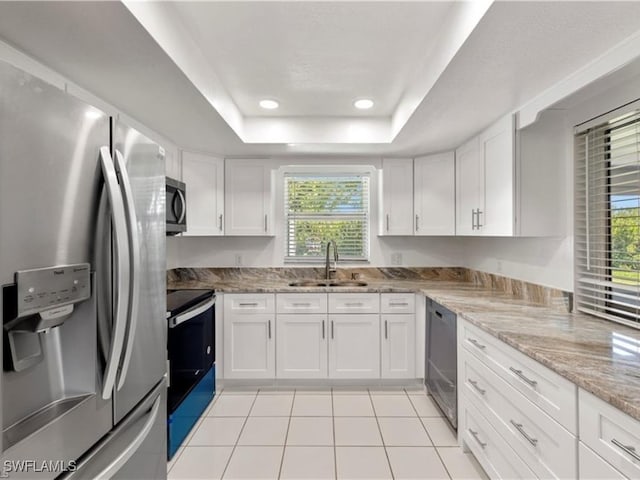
pixel 434 194
pixel 396 197
pixel 172 164
pixel 468 197
pixel 204 179
pixel 485 184
pixel 248 197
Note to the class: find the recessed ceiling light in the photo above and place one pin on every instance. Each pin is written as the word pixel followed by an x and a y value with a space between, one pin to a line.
pixel 363 103
pixel 269 104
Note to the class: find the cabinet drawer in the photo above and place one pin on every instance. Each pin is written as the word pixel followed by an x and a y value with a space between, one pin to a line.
pixel 490 449
pixel 612 434
pixel 249 303
pixel 554 394
pixel 542 443
pixel 593 467
pixel 398 302
pixel 301 303
pixel 354 303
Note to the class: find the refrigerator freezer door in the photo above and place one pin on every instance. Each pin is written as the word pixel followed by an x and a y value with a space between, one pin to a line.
pixel 143 362
pixel 136 449
pixel 50 185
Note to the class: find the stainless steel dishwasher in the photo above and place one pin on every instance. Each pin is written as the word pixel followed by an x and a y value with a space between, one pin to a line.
pixel 441 369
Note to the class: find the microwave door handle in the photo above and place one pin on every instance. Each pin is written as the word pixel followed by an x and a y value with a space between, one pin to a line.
pixel 121 287
pixel 192 312
pixel 183 207
pixel 134 265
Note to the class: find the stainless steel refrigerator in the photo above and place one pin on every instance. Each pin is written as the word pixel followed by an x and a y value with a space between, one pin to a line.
pixel 82 272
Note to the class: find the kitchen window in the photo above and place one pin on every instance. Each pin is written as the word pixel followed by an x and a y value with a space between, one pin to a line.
pixel 322 206
pixel 607 218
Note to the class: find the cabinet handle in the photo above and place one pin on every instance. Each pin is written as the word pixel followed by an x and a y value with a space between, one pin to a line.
pixel 386 329
pixel 521 375
pixel 477 344
pixel 398 304
pixel 307 304
pixel 252 304
pixel 323 329
pixel 474 384
pixel 438 314
pixel 269 324
pixel 628 449
pixel 475 436
pixel 478 224
pixel 220 222
pixel 417 222
pixel 331 329
pixel 353 304
pixel 387 222
pixel 265 222
pixel 530 439
pixel 473 219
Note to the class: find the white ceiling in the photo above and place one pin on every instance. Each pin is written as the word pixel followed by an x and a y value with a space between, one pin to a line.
pixel 314 58
pixel 517 50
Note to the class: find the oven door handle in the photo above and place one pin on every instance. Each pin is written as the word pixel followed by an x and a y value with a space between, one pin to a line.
pixel 192 312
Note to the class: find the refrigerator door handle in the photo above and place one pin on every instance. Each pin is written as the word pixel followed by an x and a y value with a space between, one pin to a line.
pixel 134 265
pixel 128 452
pixel 118 219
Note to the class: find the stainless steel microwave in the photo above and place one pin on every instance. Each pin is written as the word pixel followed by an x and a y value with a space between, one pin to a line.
pixel 176 206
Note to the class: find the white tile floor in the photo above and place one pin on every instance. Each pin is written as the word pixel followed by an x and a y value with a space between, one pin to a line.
pixel 322 434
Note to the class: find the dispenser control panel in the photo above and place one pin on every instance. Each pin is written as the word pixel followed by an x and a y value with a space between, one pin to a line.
pixel 47 288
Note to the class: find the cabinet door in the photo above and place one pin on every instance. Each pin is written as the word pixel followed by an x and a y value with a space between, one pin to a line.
pixel 396 206
pixel 172 165
pixel 398 346
pixel 467 187
pixel 249 346
pixel 204 180
pixel 593 467
pixel 497 147
pixel 248 202
pixel 434 195
pixel 354 346
pixel 302 346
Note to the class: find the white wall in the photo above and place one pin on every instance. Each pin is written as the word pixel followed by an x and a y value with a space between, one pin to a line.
pixel 270 251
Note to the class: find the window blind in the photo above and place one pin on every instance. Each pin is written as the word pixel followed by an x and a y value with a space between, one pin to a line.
pixel 607 219
pixel 322 207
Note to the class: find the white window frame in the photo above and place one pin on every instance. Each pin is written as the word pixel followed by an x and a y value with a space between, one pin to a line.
pixel 328 170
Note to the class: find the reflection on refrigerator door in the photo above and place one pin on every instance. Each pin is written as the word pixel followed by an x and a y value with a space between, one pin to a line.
pixel 71 288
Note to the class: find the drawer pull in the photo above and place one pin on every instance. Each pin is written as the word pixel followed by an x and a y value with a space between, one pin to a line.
pixel 353 304
pixel 477 344
pixel 269 324
pixel 475 436
pixel 629 450
pixel 521 375
pixel 398 304
pixel 252 304
pixel 531 440
pixel 474 384
pixel 323 334
pixel 307 304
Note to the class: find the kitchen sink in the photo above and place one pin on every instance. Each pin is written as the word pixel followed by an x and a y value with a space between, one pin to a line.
pixel 328 283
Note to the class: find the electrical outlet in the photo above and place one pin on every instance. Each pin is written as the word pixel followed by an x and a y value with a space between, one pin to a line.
pixel 396 258
pixel 238 260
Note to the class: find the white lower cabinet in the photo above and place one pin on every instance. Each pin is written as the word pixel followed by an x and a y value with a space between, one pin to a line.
pixel 354 346
pixel 398 346
pixel 301 346
pixel 612 434
pixel 594 467
pixel 249 337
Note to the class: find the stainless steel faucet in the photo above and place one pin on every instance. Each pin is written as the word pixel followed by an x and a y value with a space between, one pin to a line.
pixel 327 269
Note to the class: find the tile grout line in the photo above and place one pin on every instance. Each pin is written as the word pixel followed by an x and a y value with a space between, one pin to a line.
pixel 333 424
pixel 233 450
pixel 384 446
pixel 286 435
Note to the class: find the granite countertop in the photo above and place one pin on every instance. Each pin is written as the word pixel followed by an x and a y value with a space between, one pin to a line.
pixel 599 356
